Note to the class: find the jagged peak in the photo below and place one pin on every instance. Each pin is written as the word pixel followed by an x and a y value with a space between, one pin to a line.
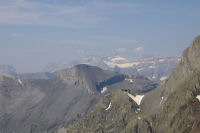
pixel 81 70
pixel 189 65
pixel 86 67
pixel 191 56
pixel 197 38
pixel 89 77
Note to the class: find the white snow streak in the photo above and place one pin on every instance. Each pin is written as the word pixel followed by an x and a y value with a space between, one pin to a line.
pixel 140 69
pixel 161 100
pixel 20 82
pixel 109 106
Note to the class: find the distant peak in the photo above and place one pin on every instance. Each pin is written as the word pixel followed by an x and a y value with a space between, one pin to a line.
pixel 82 66
pixel 86 67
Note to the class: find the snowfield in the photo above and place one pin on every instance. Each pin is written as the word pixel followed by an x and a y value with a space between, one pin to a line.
pixel 118 58
pixel 121 65
pixel 137 98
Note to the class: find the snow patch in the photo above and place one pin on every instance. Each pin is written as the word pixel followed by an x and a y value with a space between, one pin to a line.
pixel 163 78
pixel 20 82
pixel 154 76
pixel 130 80
pixel 137 98
pixel 198 97
pixel 152 67
pixel 161 60
pixel 104 89
pixel 161 100
pixel 109 106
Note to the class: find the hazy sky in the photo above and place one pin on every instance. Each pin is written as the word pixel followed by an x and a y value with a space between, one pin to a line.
pixel 34 33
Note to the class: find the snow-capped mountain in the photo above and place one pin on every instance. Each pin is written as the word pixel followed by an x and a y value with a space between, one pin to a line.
pixel 154 68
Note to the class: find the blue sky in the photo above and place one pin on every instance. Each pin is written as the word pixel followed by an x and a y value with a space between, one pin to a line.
pixel 35 33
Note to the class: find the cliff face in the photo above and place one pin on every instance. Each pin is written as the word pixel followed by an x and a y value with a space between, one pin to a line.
pixel 174 106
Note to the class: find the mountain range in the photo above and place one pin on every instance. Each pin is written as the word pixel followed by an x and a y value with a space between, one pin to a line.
pixel 44 105
pixel 173 107
pixel 89 99
pixel 154 68
pixel 157 69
